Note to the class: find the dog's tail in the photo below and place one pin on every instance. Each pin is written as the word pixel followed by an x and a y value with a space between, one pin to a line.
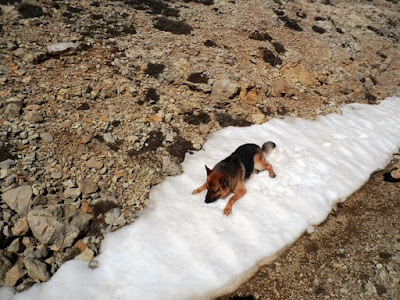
pixel 267 147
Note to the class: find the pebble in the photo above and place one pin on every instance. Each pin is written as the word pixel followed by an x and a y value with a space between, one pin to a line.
pixel 59 48
pixel 93 163
pixel 108 138
pixel 34 116
pixel 57 175
pixel 46 137
pixel 87 186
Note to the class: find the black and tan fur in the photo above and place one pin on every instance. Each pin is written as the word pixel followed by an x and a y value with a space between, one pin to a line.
pixel 228 176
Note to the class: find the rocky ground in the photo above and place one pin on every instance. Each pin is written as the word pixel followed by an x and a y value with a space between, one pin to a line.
pixel 100 100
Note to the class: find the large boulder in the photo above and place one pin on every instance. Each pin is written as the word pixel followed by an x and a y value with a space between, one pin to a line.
pixel 37 270
pixel 57 226
pixel 19 199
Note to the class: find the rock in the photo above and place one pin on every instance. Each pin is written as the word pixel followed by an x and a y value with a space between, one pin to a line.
pixel 258 118
pixel 15 246
pixel 28 58
pixel 14 274
pixel 224 89
pixel 111 217
pixel 87 186
pixel 94 264
pixel 93 163
pixel 66 124
pixel 13 109
pixel 33 116
pixel 37 270
pixel 57 175
pixel 85 138
pixel 10 180
pixel 20 227
pixel 46 137
pixel 19 199
pixel 7 231
pixel 29 158
pixel 3 173
pixel 370 288
pixel 169 167
pixel 58 225
pixel 108 138
pixel 8 163
pixel 59 48
pixel 69 184
pixel 45 224
pixel 87 254
pixel 5 265
pixel 72 193
pixel 26 284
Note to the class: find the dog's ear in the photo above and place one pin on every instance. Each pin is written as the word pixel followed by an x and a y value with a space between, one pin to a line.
pixel 208 170
pixel 223 182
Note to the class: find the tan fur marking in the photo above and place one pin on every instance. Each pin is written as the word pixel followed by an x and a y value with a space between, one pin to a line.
pixel 239 191
pixel 261 164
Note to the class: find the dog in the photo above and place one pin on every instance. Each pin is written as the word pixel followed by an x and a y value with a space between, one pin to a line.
pixel 229 174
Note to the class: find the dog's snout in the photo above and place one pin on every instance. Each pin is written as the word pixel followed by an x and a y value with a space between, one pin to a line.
pixel 210 198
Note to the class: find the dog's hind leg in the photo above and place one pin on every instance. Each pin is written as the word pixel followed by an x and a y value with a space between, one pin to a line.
pixel 261 164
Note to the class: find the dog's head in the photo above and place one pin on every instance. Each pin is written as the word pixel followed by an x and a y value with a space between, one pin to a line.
pixel 217 185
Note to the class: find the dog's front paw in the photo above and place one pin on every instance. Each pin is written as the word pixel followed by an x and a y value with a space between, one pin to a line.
pixel 196 191
pixel 272 175
pixel 227 210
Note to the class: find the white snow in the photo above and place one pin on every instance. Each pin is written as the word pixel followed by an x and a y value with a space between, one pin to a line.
pixel 182 248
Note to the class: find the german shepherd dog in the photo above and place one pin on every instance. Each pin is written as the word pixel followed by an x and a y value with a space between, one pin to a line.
pixel 229 175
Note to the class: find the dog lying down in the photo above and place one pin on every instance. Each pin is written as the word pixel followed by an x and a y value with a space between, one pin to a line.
pixel 229 174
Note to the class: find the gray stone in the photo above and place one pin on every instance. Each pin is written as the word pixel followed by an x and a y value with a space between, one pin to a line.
pixel 8 163
pixel 46 137
pixel 94 264
pixel 29 158
pixel 108 138
pixel 37 270
pixel 45 224
pixel 224 89
pixel 58 48
pixel 3 173
pixel 93 163
pixel 169 167
pixel 87 186
pixel 13 109
pixel 20 227
pixel 57 175
pixel 111 217
pixel 69 184
pixel 72 193
pixel 40 252
pixel 33 116
pixel 58 225
pixel 28 58
pixel 19 199
pixel 10 180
